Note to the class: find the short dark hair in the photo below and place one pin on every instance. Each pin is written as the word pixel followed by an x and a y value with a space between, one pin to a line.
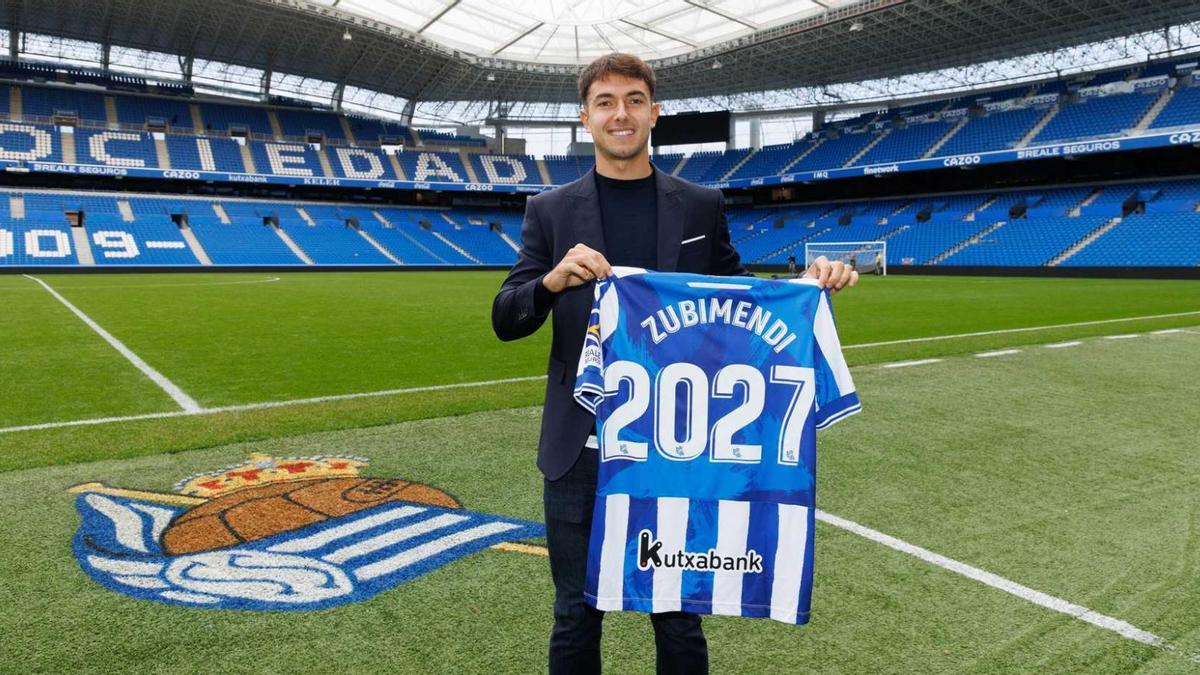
pixel 626 65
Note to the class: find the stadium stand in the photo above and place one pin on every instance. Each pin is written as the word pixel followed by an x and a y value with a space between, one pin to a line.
pixel 514 169
pixel 905 143
pixel 1183 108
pixel 299 123
pixel 993 131
pixel 247 239
pixel 136 110
pixel 205 154
pixel 221 117
pixel 1095 116
pixel 1143 223
pixel 830 153
pixel 286 159
pixel 433 166
pixel 328 241
pixel 44 102
pixel 711 166
pixel 115 148
pixel 1090 108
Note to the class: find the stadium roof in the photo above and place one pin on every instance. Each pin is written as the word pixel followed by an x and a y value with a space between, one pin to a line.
pixel 559 31
pixel 526 50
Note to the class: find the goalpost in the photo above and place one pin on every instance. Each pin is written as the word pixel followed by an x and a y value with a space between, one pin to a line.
pixel 867 257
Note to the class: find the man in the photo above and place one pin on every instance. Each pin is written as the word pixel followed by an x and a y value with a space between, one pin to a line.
pixel 625 212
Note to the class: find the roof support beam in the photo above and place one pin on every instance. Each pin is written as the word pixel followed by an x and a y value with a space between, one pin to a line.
pixel 186 63
pixel 518 38
pixel 406 116
pixel 733 17
pixel 651 29
pixel 437 17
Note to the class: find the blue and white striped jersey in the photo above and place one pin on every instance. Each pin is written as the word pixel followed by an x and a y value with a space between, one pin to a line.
pixel 708 392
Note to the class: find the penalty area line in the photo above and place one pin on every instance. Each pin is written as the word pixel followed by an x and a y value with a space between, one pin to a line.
pixel 268 404
pixel 182 399
pixel 1005 331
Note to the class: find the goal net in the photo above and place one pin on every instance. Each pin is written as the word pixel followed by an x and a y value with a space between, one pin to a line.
pixel 866 257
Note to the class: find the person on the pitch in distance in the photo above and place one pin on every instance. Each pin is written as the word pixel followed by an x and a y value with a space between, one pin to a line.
pixel 625 212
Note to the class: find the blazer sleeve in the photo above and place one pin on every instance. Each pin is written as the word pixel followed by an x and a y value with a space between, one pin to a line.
pixel 725 259
pixel 522 304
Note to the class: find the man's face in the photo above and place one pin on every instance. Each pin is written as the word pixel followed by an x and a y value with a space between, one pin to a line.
pixel 619 114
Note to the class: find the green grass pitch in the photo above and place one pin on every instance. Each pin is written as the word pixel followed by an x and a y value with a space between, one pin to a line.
pixel 1071 471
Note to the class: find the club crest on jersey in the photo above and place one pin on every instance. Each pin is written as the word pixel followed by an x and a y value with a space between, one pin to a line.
pixel 297 533
pixel 652 556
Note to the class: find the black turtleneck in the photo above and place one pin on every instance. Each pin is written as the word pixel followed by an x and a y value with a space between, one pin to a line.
pixel 629 217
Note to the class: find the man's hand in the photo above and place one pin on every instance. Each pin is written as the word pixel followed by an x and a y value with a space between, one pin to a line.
pixel 579 266
pixel 834 275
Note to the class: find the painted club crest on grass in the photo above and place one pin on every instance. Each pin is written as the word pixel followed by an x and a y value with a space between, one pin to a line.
pixel 278 534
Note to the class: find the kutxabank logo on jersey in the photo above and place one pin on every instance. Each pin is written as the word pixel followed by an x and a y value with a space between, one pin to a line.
pixel 277 534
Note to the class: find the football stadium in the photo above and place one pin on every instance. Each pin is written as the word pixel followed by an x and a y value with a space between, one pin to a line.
pixel 255 415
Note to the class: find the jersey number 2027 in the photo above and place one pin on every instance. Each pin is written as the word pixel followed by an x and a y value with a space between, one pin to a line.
pixel 697 436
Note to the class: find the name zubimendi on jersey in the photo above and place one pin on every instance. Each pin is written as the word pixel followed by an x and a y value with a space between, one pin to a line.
pixel 688 313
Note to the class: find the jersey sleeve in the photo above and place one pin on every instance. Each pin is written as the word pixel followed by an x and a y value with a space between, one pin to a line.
pixel 589 378
pixel 836 398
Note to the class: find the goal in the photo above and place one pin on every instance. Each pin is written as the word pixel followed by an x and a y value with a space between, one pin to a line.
pixel 866 257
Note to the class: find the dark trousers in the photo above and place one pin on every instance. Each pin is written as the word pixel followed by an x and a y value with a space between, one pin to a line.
pixel 575 640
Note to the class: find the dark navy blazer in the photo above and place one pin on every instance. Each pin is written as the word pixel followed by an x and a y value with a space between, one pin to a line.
pixel 692 237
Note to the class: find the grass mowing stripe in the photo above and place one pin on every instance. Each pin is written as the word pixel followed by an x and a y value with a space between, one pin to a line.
pixel 186 402
pixel 267 404
pixel 1122 628
pixel 436 387
pixel 1030 329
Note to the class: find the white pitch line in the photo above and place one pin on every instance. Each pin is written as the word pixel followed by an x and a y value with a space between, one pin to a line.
pixel 1015 330
pixel 90 287
pixel 186 402
pixel 1002 352
pixel 1120 337
pixel 267 404
pixel 1168 331
pixel 906 364
pixel 366 394
pixel 1122 628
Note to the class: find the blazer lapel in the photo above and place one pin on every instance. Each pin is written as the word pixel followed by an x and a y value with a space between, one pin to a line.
pixel 670 222
pixel 586 218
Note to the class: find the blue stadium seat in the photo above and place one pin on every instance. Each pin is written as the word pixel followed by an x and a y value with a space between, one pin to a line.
pixel 136 109
pixel 425 165
pixel 297 123
pixel 286 159
pixel 185 153
pixel 219 117
pixel 43 102
pixel 329 241
pixel 910 142
pixel 115 148
pixel 1095 116
pixel 834 152
pixel 1182 110
pixel 506 169
pixel 995 131
pixel 1027 242
pixel 1150 239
